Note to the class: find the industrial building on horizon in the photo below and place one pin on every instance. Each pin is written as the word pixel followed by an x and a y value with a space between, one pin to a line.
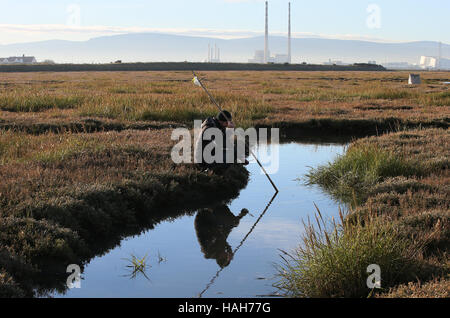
pixel 213 54
pixel 263 56
pixel 277 59
pixel 434 63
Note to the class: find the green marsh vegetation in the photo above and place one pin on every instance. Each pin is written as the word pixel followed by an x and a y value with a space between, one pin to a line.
pixel 332 260
pixel 363 166
pixel 398 186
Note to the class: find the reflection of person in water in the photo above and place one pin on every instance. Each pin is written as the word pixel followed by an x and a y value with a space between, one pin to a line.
pixel 213 225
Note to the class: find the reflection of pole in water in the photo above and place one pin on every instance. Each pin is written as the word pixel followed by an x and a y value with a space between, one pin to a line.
pixel 239 246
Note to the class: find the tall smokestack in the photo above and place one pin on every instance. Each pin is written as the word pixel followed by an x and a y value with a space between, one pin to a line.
pixel 266 39
pixel 209 53
pixel 289 37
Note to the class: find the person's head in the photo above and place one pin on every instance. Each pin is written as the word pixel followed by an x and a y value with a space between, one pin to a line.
pixel 224 257
pixel 224 118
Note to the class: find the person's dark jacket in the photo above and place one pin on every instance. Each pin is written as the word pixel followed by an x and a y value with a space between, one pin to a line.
pixel 213 226
pixel 210 122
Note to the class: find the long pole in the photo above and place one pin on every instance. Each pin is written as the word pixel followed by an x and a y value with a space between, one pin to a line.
pixel 266 36
pixel 220 109
pixel 289 37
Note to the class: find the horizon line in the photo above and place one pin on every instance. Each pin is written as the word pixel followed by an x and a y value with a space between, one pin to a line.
pixel 93 32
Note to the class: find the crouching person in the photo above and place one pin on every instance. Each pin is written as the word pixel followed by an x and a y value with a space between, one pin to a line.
pixel 215 146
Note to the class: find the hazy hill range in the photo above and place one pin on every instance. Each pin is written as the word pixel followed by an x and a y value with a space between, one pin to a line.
pixel 152 47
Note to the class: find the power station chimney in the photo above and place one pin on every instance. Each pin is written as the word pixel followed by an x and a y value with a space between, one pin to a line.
pixel 266 39
pixel 209 53
pixel 289 37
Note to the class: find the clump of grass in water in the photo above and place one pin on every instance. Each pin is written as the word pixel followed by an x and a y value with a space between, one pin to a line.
pixel 350 177
pixel 137 266
pixel 332 262
pixel 161 259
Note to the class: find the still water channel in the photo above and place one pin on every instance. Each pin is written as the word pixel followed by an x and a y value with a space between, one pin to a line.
pixel 193 256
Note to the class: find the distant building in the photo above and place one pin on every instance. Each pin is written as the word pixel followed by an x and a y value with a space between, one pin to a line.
pixel 258 58
pixel 428 62
pixel 334 62
pixel 432 62
pixel 277 59
pixel 18 60
pixel 213 54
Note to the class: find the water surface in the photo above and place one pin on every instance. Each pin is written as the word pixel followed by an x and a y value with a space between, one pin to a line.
pixel 184 254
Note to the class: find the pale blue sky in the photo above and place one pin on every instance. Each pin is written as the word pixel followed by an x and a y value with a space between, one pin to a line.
pixel 400 20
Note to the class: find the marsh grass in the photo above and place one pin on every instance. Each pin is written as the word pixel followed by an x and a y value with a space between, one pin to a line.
pixel 9 288
pixel 435 98
pixel 46 148
pixel 399 220
pixel 37 102
pixel 123 90
pixel 267 98
pixel 437 288
pixel 332 260
pixel 168 107
pixel 159 90
pixel 385 93
pixel 353 174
